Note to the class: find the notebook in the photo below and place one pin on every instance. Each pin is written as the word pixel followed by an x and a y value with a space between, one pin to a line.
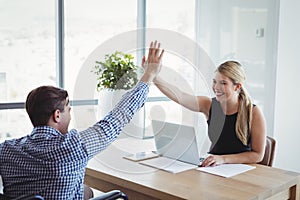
pixel 177 146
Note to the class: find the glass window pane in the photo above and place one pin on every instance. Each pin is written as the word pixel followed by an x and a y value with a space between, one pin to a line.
pixel 14 123
pixel 27 47
pixel 175 15
pixel 179 19
pixel 88 24
pixel 176 69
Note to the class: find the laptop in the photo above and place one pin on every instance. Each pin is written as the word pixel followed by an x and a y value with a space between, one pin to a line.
pixel 177 147
pixel 176 141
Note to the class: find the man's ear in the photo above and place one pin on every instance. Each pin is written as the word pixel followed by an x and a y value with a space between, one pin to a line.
pixel 56 116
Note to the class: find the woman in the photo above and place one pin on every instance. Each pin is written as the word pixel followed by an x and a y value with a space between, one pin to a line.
pixel 236 127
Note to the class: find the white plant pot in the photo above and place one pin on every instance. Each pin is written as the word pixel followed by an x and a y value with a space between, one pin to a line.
pixel 107 101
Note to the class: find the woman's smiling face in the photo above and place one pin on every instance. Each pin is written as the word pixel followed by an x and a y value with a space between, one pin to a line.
pixel 223 87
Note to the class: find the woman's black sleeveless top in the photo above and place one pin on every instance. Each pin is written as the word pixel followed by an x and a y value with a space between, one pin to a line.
pixel 221 132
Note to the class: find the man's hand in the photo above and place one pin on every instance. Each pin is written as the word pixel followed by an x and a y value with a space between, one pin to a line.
pixel 152 64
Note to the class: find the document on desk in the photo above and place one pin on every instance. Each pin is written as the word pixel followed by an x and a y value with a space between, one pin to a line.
pixel 227 170
pixel 168 164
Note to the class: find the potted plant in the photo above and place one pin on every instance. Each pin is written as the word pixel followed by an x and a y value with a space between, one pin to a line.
pixel 117 72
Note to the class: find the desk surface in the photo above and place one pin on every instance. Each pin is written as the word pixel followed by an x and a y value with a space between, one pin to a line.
pixel 108 170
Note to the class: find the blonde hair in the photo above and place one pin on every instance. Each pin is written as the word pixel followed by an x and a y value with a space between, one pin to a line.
pixel 234 71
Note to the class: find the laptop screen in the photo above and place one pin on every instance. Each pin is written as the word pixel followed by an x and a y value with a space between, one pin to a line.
pixel 176 141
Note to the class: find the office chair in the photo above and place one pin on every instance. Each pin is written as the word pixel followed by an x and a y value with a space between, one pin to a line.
pixel 269 152
pixel 27 197
pixel 111 195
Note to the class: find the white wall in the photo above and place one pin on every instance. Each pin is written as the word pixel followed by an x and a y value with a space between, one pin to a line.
pixel 227 30
pixel 287 102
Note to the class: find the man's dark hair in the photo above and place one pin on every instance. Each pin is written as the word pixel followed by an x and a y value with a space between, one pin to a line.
pixel 42 102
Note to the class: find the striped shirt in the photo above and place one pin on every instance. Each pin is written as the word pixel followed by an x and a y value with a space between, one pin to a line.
pixel 52 164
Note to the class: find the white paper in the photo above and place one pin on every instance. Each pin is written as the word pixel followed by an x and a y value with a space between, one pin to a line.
pixel 168 164
pixel 227 170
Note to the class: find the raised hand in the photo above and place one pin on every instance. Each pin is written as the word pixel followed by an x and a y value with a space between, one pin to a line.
pixel 152 64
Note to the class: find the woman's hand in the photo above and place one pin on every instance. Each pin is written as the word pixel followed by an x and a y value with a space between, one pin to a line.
pixel 213 160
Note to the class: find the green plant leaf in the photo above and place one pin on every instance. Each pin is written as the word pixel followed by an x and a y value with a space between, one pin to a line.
pixel 118 71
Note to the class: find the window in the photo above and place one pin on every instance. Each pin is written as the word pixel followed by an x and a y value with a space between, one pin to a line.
pixel 241 30
pixel 27 48
pixel 88 25
pixel 177 23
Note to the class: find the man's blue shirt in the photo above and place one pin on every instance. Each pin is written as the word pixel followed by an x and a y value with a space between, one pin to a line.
pixel 52 164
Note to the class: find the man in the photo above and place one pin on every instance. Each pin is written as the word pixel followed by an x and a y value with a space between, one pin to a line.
pixel 51 160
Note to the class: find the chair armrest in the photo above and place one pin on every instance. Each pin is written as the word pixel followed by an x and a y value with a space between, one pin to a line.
pixel 111 195
pixel 30 197
pixel 24 197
